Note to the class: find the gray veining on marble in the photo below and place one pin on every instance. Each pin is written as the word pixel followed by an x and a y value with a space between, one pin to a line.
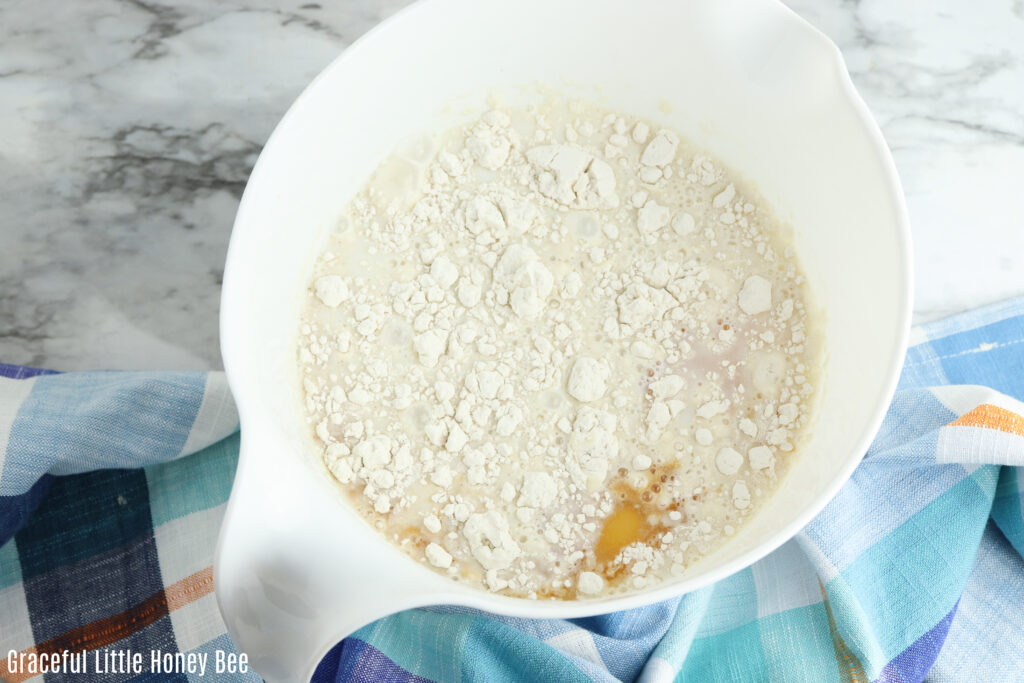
pixel 128 128
pixel 945 81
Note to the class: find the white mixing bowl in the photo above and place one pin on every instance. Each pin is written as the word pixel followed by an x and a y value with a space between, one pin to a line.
pixel 296 568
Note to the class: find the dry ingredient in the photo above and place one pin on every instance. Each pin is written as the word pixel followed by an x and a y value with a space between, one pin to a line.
pixel 557 353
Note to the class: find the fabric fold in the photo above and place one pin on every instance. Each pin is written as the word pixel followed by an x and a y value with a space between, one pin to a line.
pixel 914 568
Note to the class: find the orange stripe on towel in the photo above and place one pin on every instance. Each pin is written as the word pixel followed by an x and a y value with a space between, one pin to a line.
pixel 189 589
pixel 992 417
pixel 5 672
pixel 111 629
pixel 850 668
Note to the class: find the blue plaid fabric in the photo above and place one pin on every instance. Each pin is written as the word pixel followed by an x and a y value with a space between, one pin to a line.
pixel 913 571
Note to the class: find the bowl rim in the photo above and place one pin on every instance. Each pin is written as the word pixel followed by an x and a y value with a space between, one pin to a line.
pixel 524 607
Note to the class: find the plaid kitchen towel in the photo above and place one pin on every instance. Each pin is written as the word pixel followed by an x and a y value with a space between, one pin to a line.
pixel 914 570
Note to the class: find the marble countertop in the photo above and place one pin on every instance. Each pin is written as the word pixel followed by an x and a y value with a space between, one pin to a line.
pixel 129 128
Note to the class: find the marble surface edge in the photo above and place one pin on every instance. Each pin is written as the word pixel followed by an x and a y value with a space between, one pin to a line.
pixel 130 127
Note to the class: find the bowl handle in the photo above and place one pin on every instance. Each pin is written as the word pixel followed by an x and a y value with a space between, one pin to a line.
pixel 287 591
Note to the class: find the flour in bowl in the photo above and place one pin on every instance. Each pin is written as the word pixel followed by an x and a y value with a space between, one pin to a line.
pixel 558 353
